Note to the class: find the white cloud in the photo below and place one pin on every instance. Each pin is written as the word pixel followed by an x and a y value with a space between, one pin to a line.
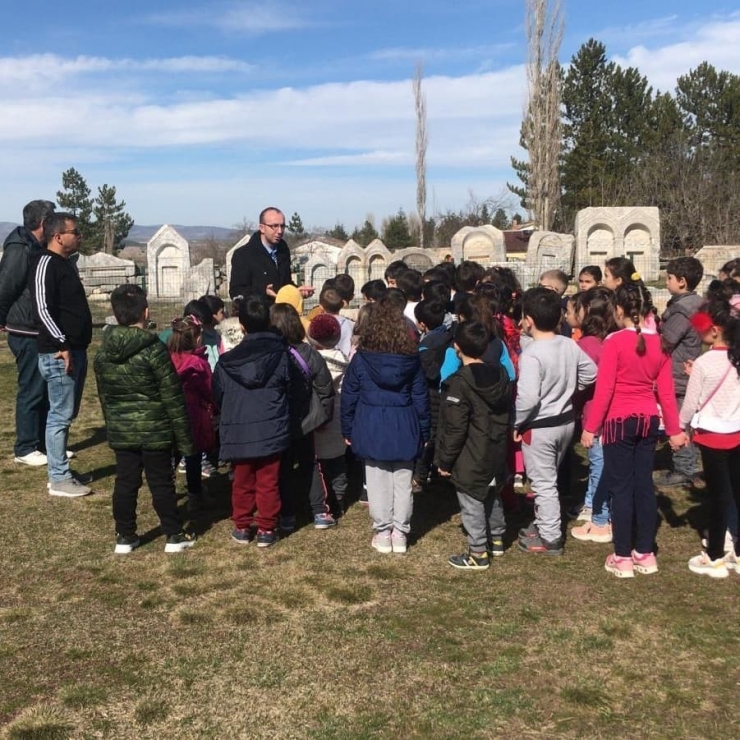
pixel 715 42
pixel 52 67
pixel 422 54
pixel 249 18
pixel 334 118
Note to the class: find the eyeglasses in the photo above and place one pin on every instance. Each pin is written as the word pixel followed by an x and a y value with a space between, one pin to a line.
pixel 275 227
pixel 76 232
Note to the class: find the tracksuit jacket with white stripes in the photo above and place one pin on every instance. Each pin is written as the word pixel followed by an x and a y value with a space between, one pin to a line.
pixel 60 304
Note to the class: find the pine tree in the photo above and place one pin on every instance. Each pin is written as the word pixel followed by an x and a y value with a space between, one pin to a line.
pixel 338 232
pixel 295 225
pixel 112 223
pixel 368 233
pixel 74 198
pixel 396 234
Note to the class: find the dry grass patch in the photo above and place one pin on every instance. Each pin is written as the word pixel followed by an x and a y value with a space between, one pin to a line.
pixel 322 637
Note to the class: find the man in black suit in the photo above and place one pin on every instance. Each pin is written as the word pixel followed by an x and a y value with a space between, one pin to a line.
pixel 262 265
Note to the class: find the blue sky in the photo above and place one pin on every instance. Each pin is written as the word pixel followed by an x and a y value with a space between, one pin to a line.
pixel 203 113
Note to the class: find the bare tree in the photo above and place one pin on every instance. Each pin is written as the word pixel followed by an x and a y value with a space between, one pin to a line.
pixel 421 151
pixel 541 133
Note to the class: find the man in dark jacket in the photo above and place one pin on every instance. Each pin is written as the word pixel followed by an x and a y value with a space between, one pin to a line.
pixel 65 331
pixel 16 318
pixel 145 418
pixel 471 444
pixel 251 384
pixel 262 265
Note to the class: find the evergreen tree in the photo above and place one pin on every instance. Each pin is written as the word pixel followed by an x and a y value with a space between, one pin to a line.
pixel 338 232
pixel 295 226
pixel 112 223
pixel 500 219
pixel 396 234
pixel 74 197
pixel 366 234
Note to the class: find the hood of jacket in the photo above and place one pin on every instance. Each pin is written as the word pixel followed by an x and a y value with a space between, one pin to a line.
pixel 121 343
pixel 685 303
pixel 189 361
pixel 489 383
pixel 252 362
pixel 388 371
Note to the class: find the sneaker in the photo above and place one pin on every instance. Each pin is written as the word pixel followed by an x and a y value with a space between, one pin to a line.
pixel 126 543
pixel 82 478
pixel 581 513
pixel 619 567
pixel 497 547
pixel 470 561
pixel 266 537
pixel 35 459
pixel 70 488
pixel 732 562
pixel 242 536
pixel 729 541
pixel 530 531
pixel 179 542
pixel 382 542
pixel 591 532
pixel 536 544
pixel 207 469
pixel 669 479
pixel 705 566
pixel 324 521
pixel 181 466
pixel 398 541
pixel 287 523
pixel 644 563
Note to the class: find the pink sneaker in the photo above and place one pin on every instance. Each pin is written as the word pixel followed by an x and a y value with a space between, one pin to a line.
pixel 619 567
pixel 590 532
pixel 644 563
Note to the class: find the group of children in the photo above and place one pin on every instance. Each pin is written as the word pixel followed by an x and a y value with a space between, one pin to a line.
pixel 456 372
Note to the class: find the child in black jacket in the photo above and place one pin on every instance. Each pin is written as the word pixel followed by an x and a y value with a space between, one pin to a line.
pixel 471 444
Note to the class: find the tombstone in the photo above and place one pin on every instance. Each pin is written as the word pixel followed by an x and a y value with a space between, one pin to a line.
pixel 351 261
pixel 168 260
pixel 317 271
pixel 377 259
pixel 230 256
pixel 103 273
pixel 199 280
pixel 547 250
pixel 483 244
pixel 328 253
pixel 714 257
pixel 416 258
pixel 631 232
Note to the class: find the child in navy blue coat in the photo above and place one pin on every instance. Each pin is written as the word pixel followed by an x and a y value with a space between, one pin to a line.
pixel 385 417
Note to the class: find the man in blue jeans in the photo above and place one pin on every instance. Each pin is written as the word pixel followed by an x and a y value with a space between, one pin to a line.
pixel 17 319
pixel 65 331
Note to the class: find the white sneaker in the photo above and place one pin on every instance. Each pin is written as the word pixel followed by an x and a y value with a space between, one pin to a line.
pixel 70 488
pixel 34 459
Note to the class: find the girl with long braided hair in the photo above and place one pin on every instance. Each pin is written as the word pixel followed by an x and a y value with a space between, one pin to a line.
pixel 634 368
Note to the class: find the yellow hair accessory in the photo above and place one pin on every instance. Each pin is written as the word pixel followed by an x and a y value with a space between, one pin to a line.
pixel 635 276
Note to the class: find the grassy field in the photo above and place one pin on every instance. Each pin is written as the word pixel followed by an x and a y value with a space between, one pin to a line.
pixel 321 637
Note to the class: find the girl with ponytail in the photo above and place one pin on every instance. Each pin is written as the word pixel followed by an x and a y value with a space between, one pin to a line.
pixel 712 408
pixel 624 413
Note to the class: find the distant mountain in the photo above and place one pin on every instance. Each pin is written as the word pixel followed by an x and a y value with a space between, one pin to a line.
pixel 142 234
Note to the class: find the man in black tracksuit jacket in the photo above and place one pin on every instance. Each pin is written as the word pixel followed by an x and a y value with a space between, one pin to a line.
pixel 65 331
pixel 16 318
